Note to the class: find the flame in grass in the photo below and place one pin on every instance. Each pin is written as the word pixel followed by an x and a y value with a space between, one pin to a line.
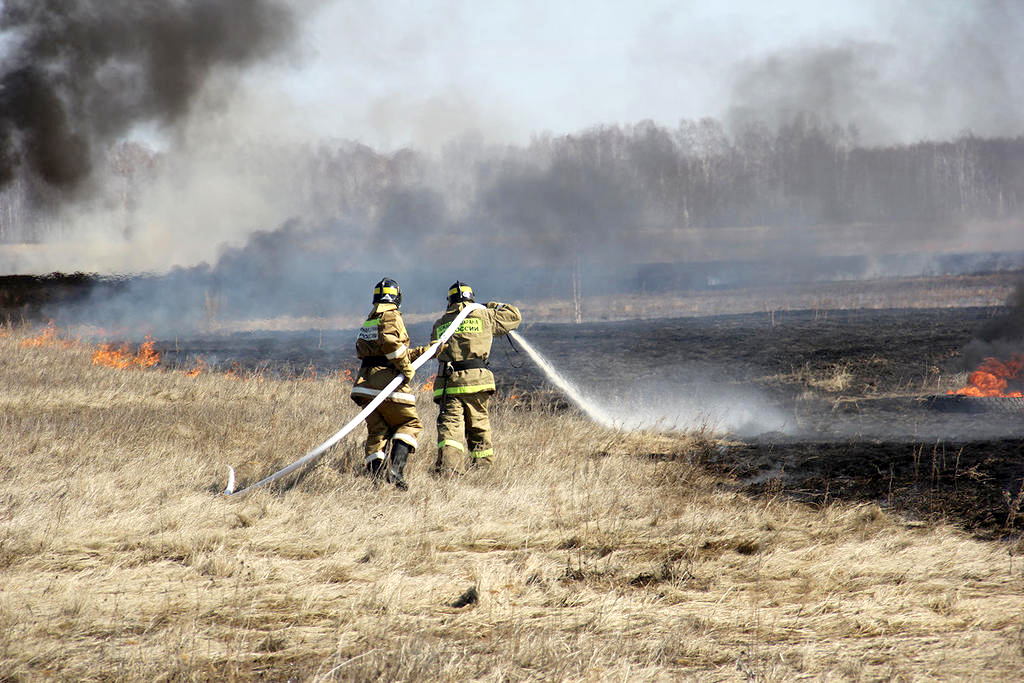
pixel 122 357
pixel 46 337
pixel 993 377
pixel 199 367
pixel 104 354
pixel 236 371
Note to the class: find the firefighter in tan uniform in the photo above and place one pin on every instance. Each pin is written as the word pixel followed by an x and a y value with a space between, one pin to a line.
pixel 464 384
pixel 383 347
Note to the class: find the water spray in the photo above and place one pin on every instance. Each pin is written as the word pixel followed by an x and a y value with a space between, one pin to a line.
pixel 315 454
pixel 664 409
pixel 588 406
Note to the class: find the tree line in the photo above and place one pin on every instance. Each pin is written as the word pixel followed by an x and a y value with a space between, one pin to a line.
pixel 601 180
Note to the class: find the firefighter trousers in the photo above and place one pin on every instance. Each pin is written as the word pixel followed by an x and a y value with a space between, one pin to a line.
pixel 391 420
pixel 463 428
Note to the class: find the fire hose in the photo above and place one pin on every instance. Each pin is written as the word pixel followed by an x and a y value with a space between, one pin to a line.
pixel 588 406
pixel 315 454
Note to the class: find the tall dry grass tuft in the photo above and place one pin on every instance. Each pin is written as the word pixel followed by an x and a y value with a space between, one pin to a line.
pixel 591 554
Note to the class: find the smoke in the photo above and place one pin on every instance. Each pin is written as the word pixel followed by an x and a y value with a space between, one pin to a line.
pixel 79 74
pixel 251 197
pixel 1002 337
pixel 840 84
pixel 941 69
pixel 569 210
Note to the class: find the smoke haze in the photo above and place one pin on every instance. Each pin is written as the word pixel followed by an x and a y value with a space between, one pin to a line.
pixel 730 146
pixel 78 74
pixel 935 72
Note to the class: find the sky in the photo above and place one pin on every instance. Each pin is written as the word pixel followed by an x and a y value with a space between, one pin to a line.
pixel 400 72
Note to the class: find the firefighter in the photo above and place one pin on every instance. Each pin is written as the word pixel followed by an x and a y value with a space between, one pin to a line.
pixel 464 384
pixel 383 347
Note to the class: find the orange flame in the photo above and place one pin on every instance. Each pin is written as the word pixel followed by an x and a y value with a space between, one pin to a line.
pixel 147 356
pixel 428 386
pixel 123 358
pixel 345 375
pixel 992 378
pixel 47 337
pixel 199 366
pixel 236 371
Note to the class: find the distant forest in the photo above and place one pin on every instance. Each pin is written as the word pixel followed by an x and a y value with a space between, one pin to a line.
pixel 603 180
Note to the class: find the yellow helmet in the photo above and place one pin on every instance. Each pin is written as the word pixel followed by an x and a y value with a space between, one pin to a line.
pixel 387 291
pixel 459 291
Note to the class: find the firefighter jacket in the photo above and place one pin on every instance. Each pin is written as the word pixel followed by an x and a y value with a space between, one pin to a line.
pixel 383 347
pixel 470 346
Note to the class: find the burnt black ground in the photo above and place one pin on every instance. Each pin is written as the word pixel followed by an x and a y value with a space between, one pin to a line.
pixel 972 483
pixel 880 439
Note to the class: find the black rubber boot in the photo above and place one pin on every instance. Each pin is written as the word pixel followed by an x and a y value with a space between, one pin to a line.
pixel 399 454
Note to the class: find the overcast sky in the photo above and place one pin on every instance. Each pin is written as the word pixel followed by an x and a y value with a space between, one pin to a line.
pixel 399 72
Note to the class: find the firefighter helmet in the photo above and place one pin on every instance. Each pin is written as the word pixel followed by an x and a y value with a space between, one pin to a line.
pixel 459 291
pixel 387 291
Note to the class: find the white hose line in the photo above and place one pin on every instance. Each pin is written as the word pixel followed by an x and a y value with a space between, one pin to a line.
pixel 358 419
pixel 592 411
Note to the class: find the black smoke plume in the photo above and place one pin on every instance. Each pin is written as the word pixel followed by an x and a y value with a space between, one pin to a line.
pixel 1002 337
pixel 77 74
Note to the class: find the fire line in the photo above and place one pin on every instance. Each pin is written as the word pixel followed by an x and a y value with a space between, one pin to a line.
pixel 993 378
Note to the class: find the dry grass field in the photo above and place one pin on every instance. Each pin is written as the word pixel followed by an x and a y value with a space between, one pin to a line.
pixel 584 554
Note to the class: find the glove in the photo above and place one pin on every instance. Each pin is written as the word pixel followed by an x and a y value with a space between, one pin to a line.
pixel 417 351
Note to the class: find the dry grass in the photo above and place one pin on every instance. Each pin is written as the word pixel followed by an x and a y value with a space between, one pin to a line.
pixel 594 555
pixel 834 378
